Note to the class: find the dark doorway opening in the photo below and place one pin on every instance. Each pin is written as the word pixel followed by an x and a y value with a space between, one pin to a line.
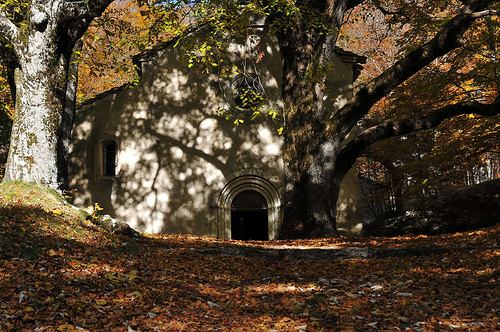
pixel 249 217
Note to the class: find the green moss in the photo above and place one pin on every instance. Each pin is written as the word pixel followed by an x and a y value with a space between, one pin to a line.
pixel 36 220
pixel 32 139
pixel 29 193
pixel 46 199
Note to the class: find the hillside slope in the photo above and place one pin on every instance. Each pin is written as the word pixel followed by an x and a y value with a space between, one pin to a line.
pixel 59 272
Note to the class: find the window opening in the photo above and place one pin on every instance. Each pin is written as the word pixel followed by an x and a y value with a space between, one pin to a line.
pixel 109 158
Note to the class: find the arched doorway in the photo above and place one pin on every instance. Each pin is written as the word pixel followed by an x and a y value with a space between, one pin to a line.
pixel 259 194
pixel 249 220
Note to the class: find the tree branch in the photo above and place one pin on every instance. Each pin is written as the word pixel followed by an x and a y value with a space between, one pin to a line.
pixel 78 15
pixel 84 9
pixel 7 29
pixel 348 155
pixel 447 39
pixel 97 7
pixel 400 12
pixel 485 13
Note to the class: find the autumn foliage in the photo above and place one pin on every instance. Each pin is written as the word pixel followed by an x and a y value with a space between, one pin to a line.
pixel 59 272
pixel 461 151
pixel 126 28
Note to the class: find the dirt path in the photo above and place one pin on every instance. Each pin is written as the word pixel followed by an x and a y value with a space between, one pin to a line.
pixel 326 254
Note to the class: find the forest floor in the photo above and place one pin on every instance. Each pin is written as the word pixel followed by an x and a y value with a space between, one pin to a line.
pixel 59 272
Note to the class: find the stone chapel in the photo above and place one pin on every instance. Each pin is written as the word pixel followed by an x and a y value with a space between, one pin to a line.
pixel 161 157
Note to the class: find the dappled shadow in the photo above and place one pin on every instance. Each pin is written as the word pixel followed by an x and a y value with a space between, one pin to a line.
pixel 175 153
pixel 112 286
pixel 27 242
pixel 58 274
pixel 51 277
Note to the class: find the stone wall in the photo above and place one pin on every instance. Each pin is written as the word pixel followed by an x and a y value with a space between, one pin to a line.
pixel 177 156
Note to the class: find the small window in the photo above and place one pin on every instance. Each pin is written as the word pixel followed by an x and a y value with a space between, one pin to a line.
pixel 109 153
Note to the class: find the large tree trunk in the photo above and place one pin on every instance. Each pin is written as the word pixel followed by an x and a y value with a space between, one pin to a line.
pixel 307 210
pixel 311 198
pixel 40 86
pixel 315 163
pixel 311 191
pixel 43 45
pixel 32 155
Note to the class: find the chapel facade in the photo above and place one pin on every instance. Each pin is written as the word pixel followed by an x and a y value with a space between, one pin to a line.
pixel 162 156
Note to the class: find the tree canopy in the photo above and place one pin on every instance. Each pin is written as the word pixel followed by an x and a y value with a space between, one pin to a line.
pixel 440 63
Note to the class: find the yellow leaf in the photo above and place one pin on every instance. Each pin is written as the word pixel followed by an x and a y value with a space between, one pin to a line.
pixel 101 302
pixel 131 275
pixel 29 309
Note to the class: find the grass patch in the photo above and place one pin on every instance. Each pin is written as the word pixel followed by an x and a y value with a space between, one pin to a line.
pixel 34 220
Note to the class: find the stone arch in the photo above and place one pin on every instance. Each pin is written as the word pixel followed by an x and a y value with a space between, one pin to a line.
pixel 248 183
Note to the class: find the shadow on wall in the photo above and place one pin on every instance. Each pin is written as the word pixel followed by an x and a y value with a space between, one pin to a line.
pixel 175 152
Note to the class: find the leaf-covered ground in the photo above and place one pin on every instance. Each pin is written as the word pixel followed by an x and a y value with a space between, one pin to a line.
pixel 60 273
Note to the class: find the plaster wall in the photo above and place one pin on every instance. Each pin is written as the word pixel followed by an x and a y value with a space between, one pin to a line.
pixel 176 155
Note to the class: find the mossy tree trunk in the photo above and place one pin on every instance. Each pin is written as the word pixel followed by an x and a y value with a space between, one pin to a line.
pixel 311 190
pixel 43 45
pixel 40 85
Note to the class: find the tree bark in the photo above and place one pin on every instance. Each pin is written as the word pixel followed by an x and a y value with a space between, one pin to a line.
pixel 447 39
pixel 39 83
pixel 67 121
pixel 43 47
pixel 347 156
pixel 310 190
